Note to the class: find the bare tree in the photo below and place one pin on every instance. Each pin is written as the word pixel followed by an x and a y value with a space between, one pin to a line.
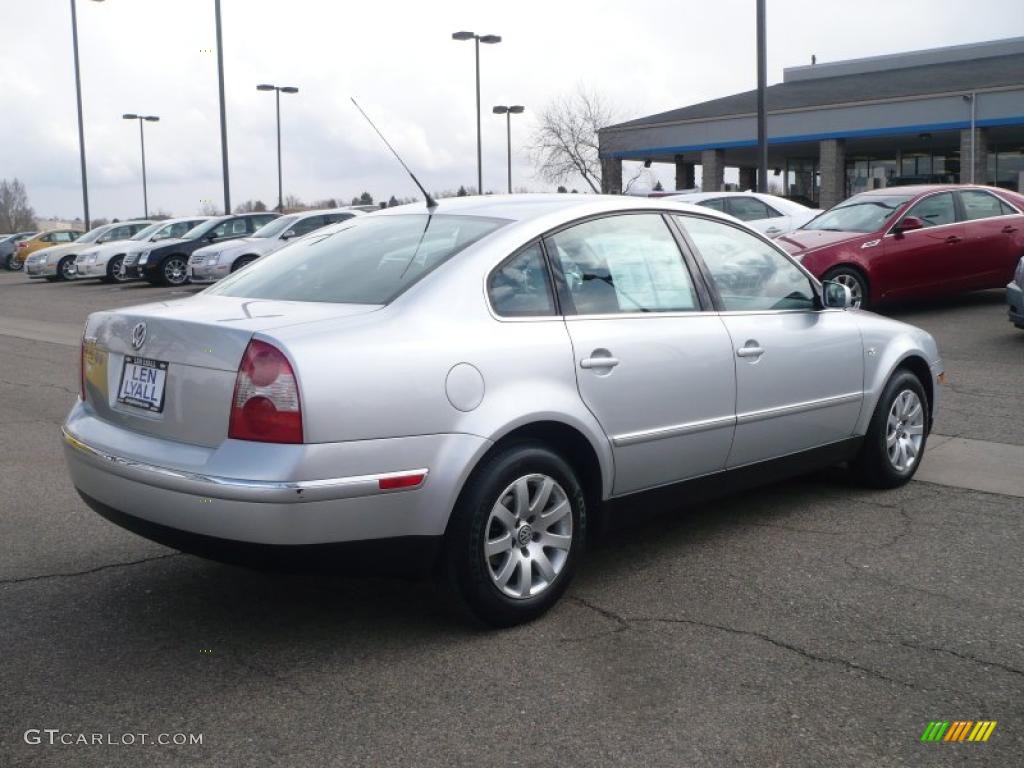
pixel 209 209
pixel 564 145
pixel 251 206
pixel 15 212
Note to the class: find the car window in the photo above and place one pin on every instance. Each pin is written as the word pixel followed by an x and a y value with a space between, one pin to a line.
pixel 369 260
pixel 627 263
pixel 522 286
pixel 230 228
pixel 750 209
pixel 715 203
pixel 307 225
pixel 982 205
pixel 334 218
pixel 935 210
pixel 748 273
pixel 60 237
pixel 259 221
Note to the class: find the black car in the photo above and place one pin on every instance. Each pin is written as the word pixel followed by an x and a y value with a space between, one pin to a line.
pixel 8 245
pixel 167 262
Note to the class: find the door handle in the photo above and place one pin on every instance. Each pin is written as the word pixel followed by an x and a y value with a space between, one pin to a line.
pixel 750 351
pixel 1009 229
pixel 598 362
pixel 953 239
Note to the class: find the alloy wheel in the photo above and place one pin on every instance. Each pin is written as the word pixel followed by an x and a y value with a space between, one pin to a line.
pixel 67 268
pixel 117 271
pixel 528 536
pixel 904 432
pixel 175 271
pixel 856 289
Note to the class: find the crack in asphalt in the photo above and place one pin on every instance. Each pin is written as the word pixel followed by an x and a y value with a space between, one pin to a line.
pixel 22 385
pixel 965 657
pixel 73 574
pixel 626 623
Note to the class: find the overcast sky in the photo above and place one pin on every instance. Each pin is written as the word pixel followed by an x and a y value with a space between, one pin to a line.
pixel 398 59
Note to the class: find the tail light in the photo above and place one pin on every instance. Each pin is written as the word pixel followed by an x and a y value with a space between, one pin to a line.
pixel 265 406
pixel 23 244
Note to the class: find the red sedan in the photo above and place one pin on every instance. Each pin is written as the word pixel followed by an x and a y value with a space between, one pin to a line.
pixel 914 242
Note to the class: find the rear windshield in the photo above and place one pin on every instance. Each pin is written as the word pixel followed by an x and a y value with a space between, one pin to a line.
pixel 861 213
pixel 367 260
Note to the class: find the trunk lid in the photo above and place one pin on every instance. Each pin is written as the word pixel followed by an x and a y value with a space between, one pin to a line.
pixel 201 340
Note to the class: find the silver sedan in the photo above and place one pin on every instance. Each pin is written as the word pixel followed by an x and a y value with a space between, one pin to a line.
pixel 465 388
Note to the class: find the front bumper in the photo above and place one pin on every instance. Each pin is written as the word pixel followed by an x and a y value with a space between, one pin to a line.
pixel 39 269
pixel 1015 300
pixel 269 494
pixel 206 274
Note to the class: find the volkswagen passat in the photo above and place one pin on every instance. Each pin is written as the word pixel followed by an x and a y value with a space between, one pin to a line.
pixel 464 387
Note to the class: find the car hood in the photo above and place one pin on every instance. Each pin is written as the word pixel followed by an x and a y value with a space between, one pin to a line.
pixel 801 240
pixel 60 250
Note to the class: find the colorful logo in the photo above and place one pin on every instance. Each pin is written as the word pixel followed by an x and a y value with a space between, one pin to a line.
pixel 959 730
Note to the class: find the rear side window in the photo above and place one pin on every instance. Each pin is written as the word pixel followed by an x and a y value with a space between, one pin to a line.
pixel 521 287
pixel 369 260
pixel 623 264
pixel 983 205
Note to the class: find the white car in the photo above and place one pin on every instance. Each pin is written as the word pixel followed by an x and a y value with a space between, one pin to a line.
pixel 212 262
pixel 105 259
pixel 768 214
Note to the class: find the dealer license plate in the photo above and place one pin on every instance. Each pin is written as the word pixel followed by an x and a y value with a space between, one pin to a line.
pixel 142 383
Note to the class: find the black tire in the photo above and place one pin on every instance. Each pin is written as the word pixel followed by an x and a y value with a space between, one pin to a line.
pixel 11 264
pixel 873 466
pixel 173 270
pixel 853 279
pixel 114 273
pixel 244 261
pixel 465 567
pixel 63 268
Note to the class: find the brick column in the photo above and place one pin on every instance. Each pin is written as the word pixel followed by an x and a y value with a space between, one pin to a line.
pixel 748 179
pixel 611 176
pixel 980 156
pixel 685 174
pixel 832 165
pixel 712 163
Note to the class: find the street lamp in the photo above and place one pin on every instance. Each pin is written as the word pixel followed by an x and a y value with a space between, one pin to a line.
pixel 142 140
pixel 81 127
pixel 278 89
pixel 490 40
pixel 508 112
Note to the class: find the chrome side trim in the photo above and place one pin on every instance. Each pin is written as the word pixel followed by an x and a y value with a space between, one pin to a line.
pixel 661 433
pixel 787 410
pixel 236 489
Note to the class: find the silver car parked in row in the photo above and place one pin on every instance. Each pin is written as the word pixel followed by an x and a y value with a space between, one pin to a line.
pixel 106 260
pixel 466 386
pixel 58 261
pixel 212 262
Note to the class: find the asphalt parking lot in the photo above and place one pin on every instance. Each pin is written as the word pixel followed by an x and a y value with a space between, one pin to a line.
pixel 810 623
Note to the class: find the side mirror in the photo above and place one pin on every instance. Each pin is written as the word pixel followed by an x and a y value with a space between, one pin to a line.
pixel 909 224
pixel 288 235
pixel 835 295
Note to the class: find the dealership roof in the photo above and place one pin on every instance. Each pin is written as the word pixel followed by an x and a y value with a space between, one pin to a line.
pixel 948 70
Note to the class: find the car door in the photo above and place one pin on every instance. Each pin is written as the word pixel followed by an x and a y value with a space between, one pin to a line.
pixel 758 215
pixel 924 261
pixel 992 232
pixel 799 368
pixel 653 365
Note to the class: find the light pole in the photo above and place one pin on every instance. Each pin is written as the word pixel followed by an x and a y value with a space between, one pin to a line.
pixel 223 115
pixel 490 40
pixel 508 112
pixel 142 141
pixel 277 95
pixel 762 113
pixel 81 127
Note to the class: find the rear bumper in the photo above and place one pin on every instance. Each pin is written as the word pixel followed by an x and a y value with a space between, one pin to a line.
pixel 264 494
pixel 1015 300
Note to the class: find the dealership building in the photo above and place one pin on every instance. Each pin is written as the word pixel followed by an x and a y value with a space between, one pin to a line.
pixel 952 114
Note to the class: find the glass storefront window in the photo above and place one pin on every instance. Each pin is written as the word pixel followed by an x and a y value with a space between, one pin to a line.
pixel 1005 167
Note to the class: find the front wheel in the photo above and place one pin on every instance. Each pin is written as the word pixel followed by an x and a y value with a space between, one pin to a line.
pixel 66 268
pixel 245 261
pixel 855 281
pixel 895 442
pixel 174 270
pixel 115 271
pixel 516 535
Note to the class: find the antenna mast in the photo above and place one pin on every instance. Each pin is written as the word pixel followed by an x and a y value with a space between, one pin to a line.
pixel 431 202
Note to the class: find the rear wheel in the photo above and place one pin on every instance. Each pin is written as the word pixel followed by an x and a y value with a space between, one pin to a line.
pixel 515 535
pixel 11 263
pixel 115 271
pixel 895 442
pixel 174 270
pixel 66 268
pixel 855 281
pixel 243 262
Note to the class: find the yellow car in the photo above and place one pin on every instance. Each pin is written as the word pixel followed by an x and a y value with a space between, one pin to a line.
pixel 45 240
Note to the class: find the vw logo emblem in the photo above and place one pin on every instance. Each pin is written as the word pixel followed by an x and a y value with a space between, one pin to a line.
pixel 138 335
pixel 525 534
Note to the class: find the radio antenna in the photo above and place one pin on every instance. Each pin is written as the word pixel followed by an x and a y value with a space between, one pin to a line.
pixel 431 202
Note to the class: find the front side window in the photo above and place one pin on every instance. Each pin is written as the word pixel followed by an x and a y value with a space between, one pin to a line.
pixel 983 205
pixel 362 261
pixel 715 204
pixel 750 209
pixel 749 274
pixel 275 227
pixel 334 218
pixel 935 210
pixel 623 264
pixel 521 286
pixel 307 225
